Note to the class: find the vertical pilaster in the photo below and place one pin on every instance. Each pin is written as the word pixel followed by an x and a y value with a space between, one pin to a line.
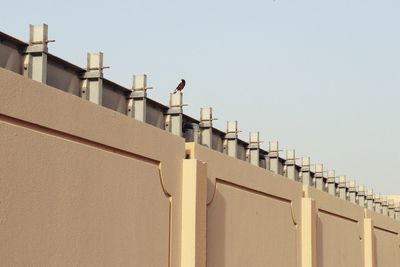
pixel 368 243
pixel 308 233
pixel 194 203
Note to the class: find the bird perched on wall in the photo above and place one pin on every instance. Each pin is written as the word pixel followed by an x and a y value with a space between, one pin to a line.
pixel 180 86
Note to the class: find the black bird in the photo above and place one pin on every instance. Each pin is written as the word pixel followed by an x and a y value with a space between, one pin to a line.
pixel 180 86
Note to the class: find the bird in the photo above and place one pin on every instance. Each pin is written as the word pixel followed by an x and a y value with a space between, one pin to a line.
pixel 180 86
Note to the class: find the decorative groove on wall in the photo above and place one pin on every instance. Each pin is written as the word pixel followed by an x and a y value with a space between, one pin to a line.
pixel 337 215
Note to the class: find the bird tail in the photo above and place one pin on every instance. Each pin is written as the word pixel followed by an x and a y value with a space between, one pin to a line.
pixel 176 90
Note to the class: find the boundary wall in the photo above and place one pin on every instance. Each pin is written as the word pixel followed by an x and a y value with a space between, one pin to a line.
pixel 81 184
pixel 96 174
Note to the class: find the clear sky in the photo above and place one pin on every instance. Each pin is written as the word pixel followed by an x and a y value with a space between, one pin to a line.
pixel 322 77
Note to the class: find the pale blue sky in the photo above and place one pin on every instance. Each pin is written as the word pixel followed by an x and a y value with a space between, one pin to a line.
pixel 320 76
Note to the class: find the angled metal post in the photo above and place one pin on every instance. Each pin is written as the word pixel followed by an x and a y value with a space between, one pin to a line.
pixel 377 203
pixel 391 208
pixel 253 149
pixel 352 188
pixel 305 172
pixel 319 177
pixel 263 159
pixel 35 59
pixel 331 183
pixel 342 187
pixel 397 211
pixel 92 83
pixel 361 196
pixel 385 206
pixel 205 127
pixel 290 165
pixel 273 156
pixel 196 132
pixel 137 101
pixel 173 122
pixel 231 137
pixel 370 199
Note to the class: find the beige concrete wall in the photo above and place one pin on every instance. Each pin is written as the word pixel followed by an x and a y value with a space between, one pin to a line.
pixel 82 185
pixel 253 216
pixel 386 238
pixel 339 230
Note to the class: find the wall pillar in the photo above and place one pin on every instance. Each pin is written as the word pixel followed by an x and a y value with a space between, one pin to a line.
pixel 194 210
pixel 368 243
pixel 308 233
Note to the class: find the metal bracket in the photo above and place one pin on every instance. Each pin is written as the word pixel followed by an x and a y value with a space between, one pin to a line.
pixel 305 171
pixel 319 177
pixel 377 203
pixel 331 182
pixel 290 165
pixel 92 79
pixel 35 58
pixel 205 126
pixel 231 138
pixel 342 187
pixel 361 196
pixel 273 155
pixel 137 100
pixel 352 189
pixel 370 200
pixel 253 149
pixel 173 122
